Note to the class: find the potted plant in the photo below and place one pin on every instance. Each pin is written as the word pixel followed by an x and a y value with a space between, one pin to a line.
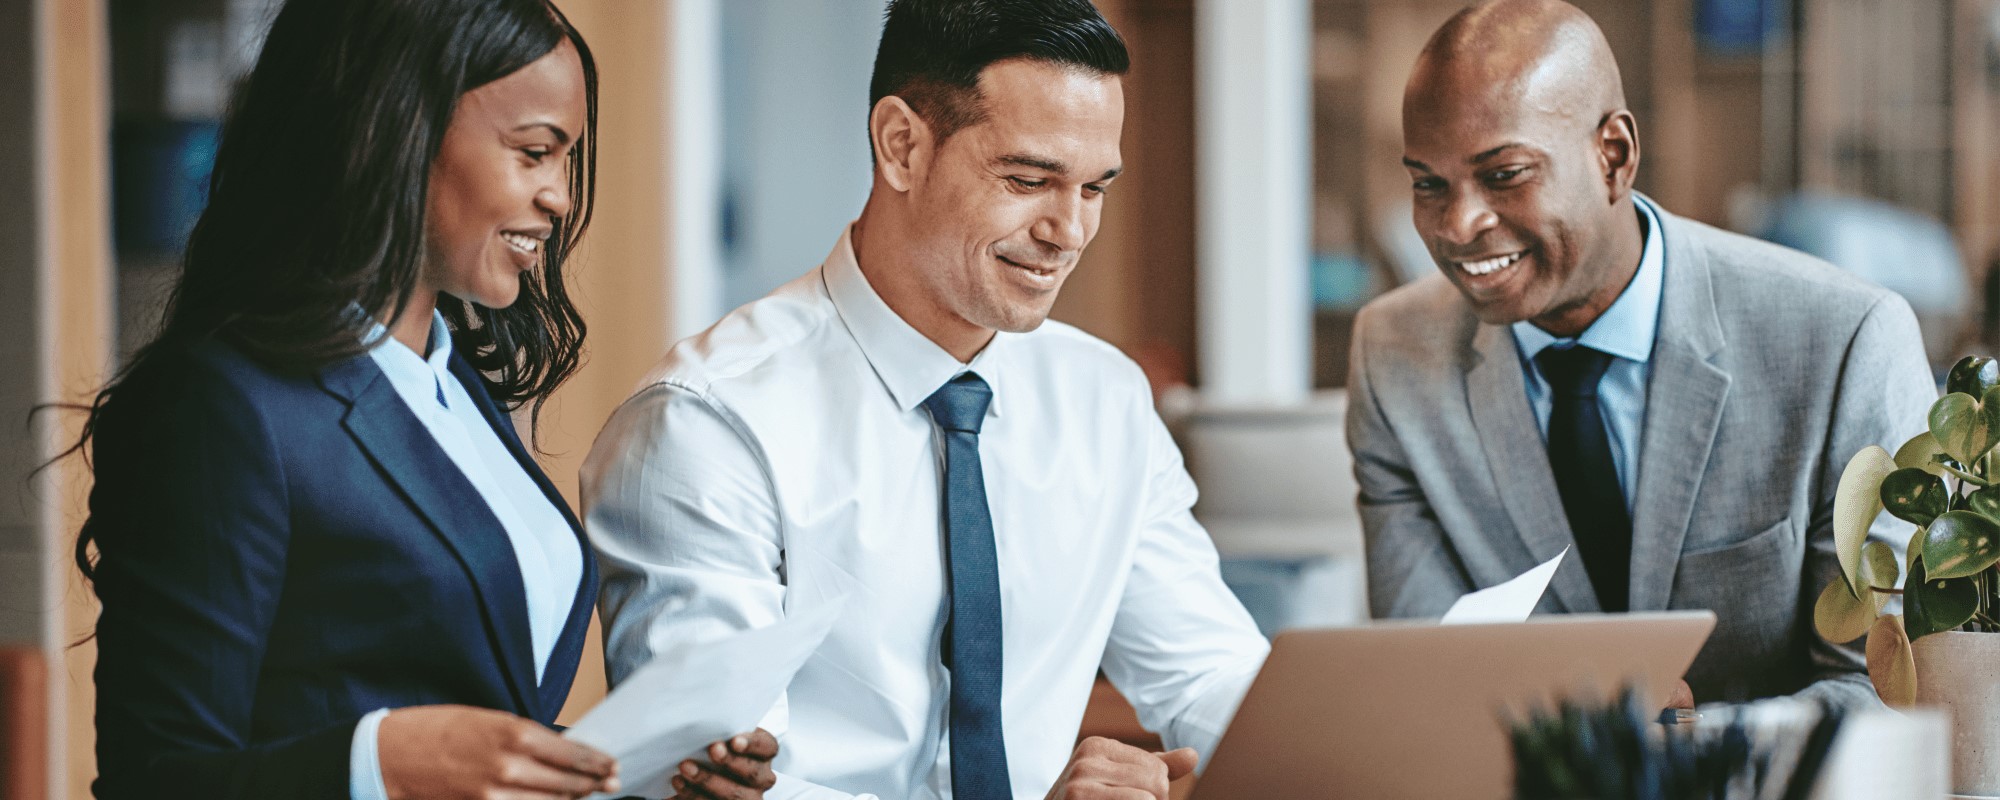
pixel 1588 751
pixel 1941 650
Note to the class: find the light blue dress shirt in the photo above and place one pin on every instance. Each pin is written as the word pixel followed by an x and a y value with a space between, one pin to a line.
pixel 1626 331
pixel 546 548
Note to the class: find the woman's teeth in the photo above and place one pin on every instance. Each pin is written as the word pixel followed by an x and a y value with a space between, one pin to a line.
pixel 525 244
pixel 1491 265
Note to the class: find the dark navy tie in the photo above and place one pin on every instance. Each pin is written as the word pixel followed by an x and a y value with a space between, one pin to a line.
pixel 972 630
pixel 1586 476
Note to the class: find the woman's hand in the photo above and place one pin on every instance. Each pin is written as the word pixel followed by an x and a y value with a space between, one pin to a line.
pixel 454 752
pixel 738 769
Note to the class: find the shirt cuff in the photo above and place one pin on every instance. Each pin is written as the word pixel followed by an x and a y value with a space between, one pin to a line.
pixel 364 763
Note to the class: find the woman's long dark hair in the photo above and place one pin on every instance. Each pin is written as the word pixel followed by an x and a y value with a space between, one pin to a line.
pixel 318 197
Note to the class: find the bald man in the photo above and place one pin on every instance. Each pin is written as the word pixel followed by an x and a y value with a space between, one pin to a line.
pixel 1673 402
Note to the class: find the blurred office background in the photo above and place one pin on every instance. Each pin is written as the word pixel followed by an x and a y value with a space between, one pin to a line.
pixel 1263 204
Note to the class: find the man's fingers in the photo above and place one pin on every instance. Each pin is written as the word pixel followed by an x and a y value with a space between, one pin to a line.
pixel 526 794
pixel 1111 750
pixel 1682 697
pixel 545 746
pixel 752 772
pixel 701 782
pixel 542 779
pixel 1089 776
pixel 1180 762
pixel 1096 791
pixel 755 744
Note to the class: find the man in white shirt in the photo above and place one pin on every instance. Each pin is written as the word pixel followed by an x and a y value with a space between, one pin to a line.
pixel 995 497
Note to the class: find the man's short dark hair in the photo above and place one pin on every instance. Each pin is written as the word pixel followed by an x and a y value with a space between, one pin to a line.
pixel 932 51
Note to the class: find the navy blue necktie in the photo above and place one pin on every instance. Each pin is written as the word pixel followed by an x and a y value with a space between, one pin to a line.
pixel 1586 476
pixel 972 631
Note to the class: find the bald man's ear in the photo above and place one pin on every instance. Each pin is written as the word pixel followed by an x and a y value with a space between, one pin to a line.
pixel 1618 153
pixel 902 142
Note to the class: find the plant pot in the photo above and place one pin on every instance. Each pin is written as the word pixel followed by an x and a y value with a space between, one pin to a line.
pixel 1960 673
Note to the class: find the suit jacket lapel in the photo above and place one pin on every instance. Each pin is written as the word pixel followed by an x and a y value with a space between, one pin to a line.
pixel 407 454
pixel 560 672
pixel 1519 461
pixel 1684 401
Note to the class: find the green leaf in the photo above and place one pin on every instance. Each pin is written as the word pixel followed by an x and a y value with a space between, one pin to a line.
pixel 1921 452
pixel 1973 375
pixel 1932 604
pixel 1839 616
pixel 1878 567
pixel 1856 503
pixel 1891 665
pixel 1915 550
pixel 1914 495
pixel 1966 426
pixel 1960 543
pixel 1985 503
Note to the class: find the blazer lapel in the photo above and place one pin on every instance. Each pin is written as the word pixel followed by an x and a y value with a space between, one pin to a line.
pixel 385 427
pixel 1684 400
pixel 560 672
pixel 1519 461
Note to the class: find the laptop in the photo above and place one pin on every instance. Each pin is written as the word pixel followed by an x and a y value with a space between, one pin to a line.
pixel 1420 710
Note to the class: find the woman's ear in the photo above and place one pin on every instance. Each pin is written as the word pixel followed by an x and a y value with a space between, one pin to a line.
pixel 902 142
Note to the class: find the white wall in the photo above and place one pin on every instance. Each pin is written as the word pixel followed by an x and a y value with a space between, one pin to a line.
pixel 794 134
pixel 1253 132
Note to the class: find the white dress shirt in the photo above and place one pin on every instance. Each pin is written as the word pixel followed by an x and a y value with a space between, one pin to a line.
pixel 782 458
pixel 546 548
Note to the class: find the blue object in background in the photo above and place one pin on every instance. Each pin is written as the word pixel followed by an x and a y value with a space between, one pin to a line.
pixel 1904 251
pixel 1739 27
pixel 1340 279
pixel 1306 592
pixel 159 182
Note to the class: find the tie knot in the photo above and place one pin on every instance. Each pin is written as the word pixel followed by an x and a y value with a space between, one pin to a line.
pixel 1573 370
pixel 960 405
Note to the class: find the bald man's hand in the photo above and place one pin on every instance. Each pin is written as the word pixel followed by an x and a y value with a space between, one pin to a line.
pixel 1683 696
pixel 1106 769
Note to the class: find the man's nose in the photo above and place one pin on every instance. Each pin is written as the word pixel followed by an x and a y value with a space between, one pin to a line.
pixel 1065 224
pixel 1466 216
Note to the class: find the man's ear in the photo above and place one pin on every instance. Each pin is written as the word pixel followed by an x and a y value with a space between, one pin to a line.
pixel 902 142
pixel 1618 153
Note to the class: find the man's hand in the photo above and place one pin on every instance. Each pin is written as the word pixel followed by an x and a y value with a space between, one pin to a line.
pixel 452 752
pixel 738 769
pixel 1683 696
pixel 1106 769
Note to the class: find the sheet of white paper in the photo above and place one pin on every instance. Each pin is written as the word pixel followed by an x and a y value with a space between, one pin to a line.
pixel 1512 601
pixel 673 707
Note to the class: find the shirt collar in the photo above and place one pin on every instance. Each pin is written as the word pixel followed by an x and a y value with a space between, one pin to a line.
pixel 908 363
pixel 1628 327
pixel 417 378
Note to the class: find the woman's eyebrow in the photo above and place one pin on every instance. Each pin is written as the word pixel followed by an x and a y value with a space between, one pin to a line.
pixel 562 136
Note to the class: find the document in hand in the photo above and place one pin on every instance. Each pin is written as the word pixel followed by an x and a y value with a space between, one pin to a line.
pixel 673 707
pixel 1512 601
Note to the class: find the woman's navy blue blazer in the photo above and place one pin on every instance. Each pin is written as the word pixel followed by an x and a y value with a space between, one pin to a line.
pixel 281 555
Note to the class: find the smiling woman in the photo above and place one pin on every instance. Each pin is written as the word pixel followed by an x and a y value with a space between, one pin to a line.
pixel 500 181
pixel 328 565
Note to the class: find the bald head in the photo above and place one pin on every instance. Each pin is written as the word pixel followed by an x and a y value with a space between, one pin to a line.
pixel 1521 156
pixel 1539 56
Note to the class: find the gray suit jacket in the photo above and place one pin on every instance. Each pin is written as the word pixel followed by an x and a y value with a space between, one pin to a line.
pixel 1769 371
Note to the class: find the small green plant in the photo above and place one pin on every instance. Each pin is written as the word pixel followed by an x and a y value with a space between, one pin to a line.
pixel 1945 483
pixel 1596 752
